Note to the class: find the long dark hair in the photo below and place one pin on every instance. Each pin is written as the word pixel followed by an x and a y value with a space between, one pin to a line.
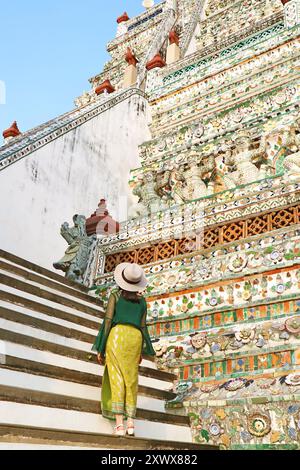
pixel 132 296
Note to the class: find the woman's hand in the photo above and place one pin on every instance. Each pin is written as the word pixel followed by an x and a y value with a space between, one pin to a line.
pixel 100 359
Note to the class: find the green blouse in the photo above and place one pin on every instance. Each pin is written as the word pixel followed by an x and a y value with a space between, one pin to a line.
pixel 125 312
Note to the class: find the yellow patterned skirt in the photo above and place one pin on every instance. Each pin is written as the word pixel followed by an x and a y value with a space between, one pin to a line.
pixel 120 380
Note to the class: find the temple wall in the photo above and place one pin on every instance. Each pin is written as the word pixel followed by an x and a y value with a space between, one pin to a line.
pixel 69 176
pixel 222 259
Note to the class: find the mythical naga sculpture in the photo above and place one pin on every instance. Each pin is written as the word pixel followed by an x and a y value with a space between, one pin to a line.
pixel 75 260
pixel 241 162
pixel 150 201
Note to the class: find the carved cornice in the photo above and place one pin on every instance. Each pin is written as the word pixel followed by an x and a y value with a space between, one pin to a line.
pixel 172 145
pixel 151 14
pixel 203 266
pixel 216 50
pixel 263 88
pixel 207 212
pixel 215 236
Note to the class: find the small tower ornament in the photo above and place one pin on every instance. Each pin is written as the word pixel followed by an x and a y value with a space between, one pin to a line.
pixel 12 132
pixel 148 4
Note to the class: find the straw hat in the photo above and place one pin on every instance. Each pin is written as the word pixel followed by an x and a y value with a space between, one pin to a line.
pixel 130 277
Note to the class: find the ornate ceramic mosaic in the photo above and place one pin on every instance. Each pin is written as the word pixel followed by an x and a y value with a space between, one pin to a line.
pixel 264 422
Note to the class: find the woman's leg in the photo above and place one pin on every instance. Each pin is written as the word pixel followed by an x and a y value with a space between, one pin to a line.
pixel 131 375
pixel 119 420
pixel 130 423
pixel 131 387
pixel 123 352
pixel 116 379
pixel 117 396
pixel 120 428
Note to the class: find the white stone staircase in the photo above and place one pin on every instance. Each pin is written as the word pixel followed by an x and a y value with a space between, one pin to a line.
pixel 50 382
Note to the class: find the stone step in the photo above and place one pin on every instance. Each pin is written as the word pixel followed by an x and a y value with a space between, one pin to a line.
pixel 37 437
pixel 42 271
pixel 59 328
pixel 56 339
pixel 71 390
pixel 31 305
pixel 50 303
pixel 26 389
pixel 64 363
pixel 54 321
pixel 52 327
pixel 8 335
pixel 37 279
pixel 23 409
pixel 47 326
pixel 68 375
pixel 11 446
pixel 52 330
pixel 44 294
pixel 93 303
pixel 49 375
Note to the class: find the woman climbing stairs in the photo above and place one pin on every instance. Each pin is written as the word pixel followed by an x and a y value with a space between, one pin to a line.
pixel 50 382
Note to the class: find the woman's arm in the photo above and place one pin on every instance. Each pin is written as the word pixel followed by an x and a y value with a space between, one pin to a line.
pixel 147 344
pixel 105 328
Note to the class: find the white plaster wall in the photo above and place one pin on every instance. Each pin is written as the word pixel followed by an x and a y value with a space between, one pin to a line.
pixel 193 44
pixel 67 177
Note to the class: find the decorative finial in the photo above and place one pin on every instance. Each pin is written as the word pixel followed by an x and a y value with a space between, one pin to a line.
pixel 123 18
pixel 13 131
pixel 100 222
pixel 148 4
pixel 156 62
pixel 106 86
